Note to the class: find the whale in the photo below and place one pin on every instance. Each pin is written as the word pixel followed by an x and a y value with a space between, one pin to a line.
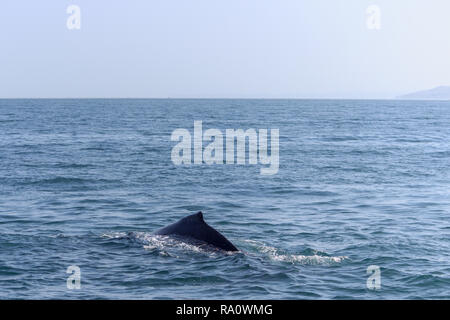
pixel 193 227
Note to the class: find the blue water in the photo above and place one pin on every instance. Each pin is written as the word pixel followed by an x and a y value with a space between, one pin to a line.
pixel 360 183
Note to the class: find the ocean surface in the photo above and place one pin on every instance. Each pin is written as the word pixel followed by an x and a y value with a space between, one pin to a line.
pixel 360 183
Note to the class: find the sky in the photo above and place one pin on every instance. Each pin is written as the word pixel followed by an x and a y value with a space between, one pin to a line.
pixel 223 49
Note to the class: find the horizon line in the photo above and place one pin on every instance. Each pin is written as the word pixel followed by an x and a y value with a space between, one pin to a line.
pixel 218 98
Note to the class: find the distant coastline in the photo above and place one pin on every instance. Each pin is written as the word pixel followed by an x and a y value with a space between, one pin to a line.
pixel 437 93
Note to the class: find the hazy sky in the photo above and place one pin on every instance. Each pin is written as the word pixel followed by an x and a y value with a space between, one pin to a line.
pixel 226 48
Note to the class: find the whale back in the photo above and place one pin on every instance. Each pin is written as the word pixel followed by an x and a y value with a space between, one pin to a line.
pixel 195 227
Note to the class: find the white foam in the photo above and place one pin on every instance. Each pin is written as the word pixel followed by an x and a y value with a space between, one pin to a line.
pixel 168 246
pixel 275 255
pixel 114 235
pixel 164 244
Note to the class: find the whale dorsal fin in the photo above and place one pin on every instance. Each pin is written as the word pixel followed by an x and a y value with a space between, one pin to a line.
pixel 194 226
pixel 194 218
pixel 199 216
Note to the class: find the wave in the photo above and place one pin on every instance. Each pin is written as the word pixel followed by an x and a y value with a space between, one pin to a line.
pixel 66 181
pixel 275 254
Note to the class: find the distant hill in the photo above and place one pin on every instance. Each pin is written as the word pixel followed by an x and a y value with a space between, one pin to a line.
pixel 438 93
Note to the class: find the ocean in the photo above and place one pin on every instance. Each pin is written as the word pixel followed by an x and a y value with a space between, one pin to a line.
pixel 362 185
